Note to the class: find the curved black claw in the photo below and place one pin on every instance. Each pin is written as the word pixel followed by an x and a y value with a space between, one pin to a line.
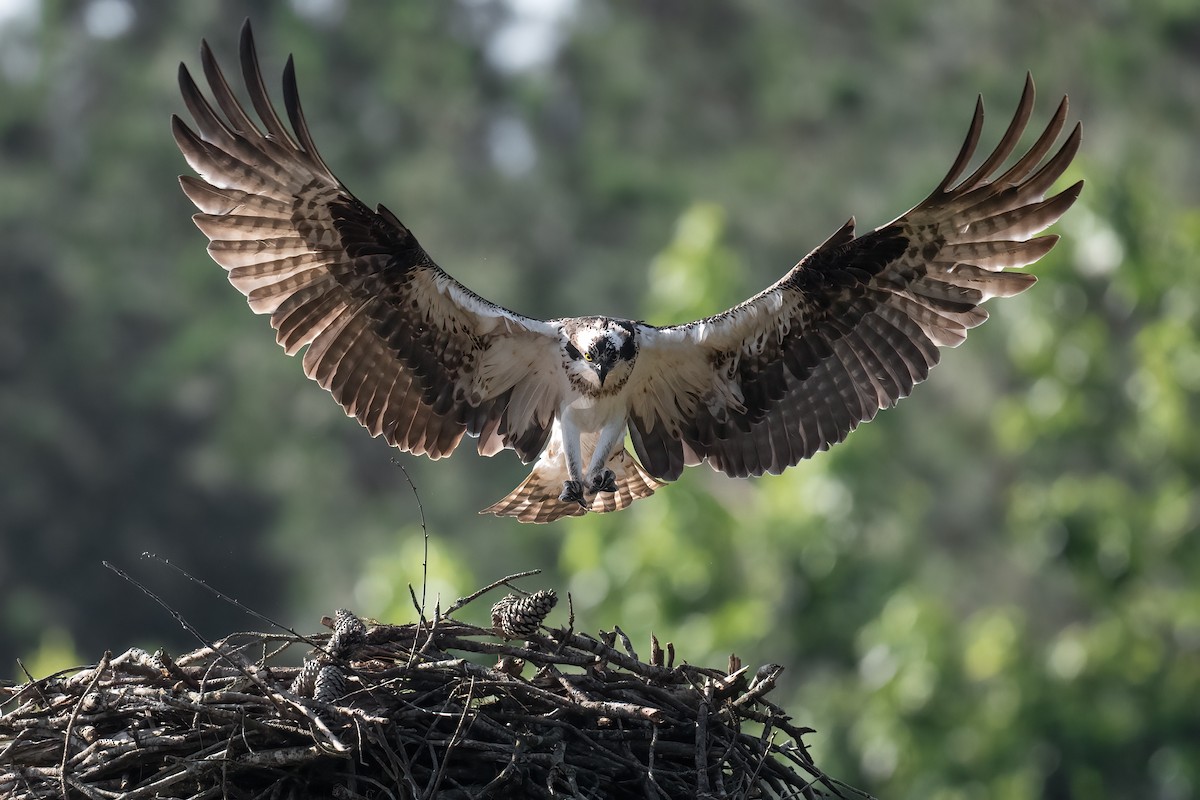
pixel 573 493
pixel 606 481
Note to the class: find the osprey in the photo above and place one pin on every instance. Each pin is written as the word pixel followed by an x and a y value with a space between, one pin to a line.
pixel 421 360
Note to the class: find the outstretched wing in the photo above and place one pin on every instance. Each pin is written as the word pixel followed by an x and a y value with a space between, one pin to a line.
pixel 854 325
pixel 417 357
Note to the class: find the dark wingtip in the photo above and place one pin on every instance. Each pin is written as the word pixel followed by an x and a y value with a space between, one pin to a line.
pixel 206 51
pixel 246 42
pixel 184 76
pixel 965 152
pixel 181 131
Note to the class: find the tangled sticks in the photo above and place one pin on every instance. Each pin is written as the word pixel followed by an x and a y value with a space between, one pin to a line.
pixel 406 711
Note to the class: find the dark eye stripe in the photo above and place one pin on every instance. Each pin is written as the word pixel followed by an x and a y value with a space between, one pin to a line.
pixel 573 352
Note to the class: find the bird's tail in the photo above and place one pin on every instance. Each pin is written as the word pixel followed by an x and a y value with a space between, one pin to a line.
pixel 536 499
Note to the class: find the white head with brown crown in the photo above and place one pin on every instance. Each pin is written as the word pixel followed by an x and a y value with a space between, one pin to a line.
pixel 599 354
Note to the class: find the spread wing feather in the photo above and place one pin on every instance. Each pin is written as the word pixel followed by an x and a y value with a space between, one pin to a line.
pixel 856 324
pixel 418 358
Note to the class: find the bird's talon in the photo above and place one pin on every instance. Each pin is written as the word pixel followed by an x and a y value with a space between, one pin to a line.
pixel 606 481
pixel 572 493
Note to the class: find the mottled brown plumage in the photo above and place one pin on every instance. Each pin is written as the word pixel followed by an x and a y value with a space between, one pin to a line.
pixel 421 360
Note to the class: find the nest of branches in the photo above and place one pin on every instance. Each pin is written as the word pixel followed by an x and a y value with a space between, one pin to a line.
pixel 437 708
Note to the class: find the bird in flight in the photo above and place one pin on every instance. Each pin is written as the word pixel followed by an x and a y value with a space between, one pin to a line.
pixel 421 360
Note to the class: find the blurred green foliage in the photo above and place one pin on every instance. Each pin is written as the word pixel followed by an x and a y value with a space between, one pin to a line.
pixel 989 592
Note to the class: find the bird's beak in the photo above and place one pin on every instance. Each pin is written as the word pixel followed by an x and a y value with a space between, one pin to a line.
pixel 602 370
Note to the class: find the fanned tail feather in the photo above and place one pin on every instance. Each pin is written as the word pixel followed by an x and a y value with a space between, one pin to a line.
pixel 536 499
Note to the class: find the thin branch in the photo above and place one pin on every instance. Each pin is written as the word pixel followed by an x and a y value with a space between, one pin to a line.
pixel 425 543
pixel 233 601
pixel 462 601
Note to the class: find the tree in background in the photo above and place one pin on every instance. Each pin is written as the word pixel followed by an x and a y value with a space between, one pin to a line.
pixel 987 592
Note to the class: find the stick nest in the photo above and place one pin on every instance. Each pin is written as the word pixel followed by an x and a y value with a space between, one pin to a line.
pixel 438 708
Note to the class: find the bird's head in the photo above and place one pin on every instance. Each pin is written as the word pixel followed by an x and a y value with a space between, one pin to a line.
pixel 600 352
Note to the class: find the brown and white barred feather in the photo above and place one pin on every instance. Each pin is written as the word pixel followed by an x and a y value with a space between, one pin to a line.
pixel 537 498
pixel 418 358
pixel 855 325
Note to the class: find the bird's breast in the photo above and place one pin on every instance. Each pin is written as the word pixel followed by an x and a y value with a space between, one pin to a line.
pixel 590 413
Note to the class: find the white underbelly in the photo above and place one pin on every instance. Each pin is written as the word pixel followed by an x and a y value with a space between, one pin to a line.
pixel 590 415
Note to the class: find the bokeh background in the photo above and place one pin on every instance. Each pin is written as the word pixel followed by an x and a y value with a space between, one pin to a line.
pixel 992 591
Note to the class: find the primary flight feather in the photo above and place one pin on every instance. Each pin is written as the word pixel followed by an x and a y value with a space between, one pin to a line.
pixel 421 360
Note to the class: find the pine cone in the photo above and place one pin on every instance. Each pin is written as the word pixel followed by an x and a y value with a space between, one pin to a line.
pixel 517 617
pixel 349 633
pixel 306 678
pixel 330 685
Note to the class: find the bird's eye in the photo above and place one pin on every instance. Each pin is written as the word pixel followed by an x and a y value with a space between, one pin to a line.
pixel 587 356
